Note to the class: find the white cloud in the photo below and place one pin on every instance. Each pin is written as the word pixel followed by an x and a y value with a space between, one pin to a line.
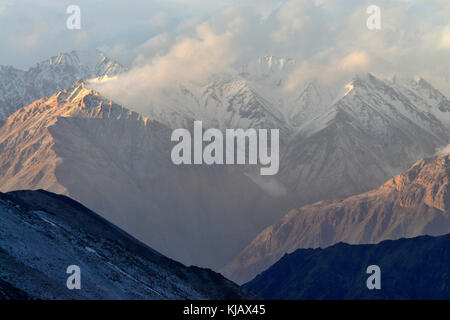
pixel 191 59
pixel 354 62
pixel 443 150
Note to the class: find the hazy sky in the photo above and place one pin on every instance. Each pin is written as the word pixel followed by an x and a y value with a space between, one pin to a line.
pixel 32 30
pixel 190 39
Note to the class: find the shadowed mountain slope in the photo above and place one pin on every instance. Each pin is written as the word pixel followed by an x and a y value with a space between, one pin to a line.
pixel 42 233
pixel 416 268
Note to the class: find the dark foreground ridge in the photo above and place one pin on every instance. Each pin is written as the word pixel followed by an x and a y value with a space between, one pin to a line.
pixel 415 268
pixel 8 292
pixel 42 234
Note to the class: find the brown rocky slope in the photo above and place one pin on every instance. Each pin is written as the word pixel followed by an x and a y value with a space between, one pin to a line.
pixel 413 203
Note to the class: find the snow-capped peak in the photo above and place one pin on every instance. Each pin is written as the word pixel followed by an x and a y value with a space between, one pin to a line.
pixel 76 57
pixel 93 63
pixel 19 88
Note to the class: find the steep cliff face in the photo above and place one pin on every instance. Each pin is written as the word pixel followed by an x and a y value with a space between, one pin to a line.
pixel 426 182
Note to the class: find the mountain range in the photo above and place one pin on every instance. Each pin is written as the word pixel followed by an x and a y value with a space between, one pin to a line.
pixel 335 142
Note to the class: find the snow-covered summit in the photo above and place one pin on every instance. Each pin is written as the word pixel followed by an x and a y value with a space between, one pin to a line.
pixel 19 88
pixel 90 64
